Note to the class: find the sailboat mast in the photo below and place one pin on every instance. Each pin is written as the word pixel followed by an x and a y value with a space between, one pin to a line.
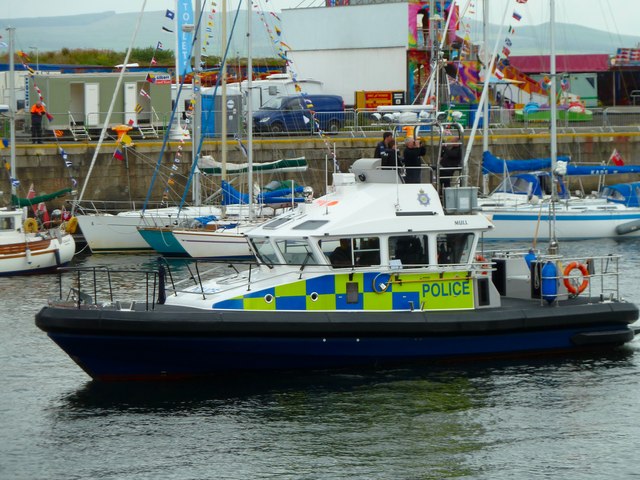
pixel 552 99
pixel 12 108
pixel 554 126
pixel 223 85
pixel 197 108
pixel 249 112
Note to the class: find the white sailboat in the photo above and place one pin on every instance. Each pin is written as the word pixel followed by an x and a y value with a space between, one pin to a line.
pixel 523 216
pixel 227 239
pixel 23 247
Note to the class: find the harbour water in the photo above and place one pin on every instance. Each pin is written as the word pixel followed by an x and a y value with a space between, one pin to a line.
pixel 543 417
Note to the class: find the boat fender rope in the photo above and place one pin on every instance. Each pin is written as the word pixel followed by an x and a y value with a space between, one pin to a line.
pixel 568 281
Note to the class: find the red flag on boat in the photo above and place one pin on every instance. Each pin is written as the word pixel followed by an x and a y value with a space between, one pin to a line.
pixel 39 210
pixel 616 158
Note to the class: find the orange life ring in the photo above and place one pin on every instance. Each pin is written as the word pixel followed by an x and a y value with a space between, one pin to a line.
pixel 571 288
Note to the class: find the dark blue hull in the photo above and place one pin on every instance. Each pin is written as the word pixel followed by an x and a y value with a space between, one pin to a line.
pixel 147 358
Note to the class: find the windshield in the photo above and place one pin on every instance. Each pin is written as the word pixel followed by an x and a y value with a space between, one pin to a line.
pixel 273 104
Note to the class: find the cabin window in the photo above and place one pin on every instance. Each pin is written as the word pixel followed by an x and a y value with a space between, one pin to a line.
pixel 367 251
pixel 411 250
pixel 345 252
pixel 295 252
pixel 7 223
pixel 265 251
pixel 454 248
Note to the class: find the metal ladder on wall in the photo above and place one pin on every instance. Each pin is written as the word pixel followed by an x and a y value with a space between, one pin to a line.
pixel 147 130
pixel 79 132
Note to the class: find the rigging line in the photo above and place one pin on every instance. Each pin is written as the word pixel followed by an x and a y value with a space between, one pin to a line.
pixel 215 89
pixel 167 133
pixel 111 106
pixel 483 97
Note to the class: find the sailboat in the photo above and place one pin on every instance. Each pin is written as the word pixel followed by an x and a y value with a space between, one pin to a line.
pixel 117 233
pixel 221 236
pixel 524 212
pixel 24 247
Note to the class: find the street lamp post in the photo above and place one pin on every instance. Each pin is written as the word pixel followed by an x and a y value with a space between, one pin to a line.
pixel 37 60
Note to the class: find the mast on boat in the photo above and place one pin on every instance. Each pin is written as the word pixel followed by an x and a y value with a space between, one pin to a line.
pixel 249 117
pixel 223 85
pixel 197 110
pixel 553 243
pixel 12 110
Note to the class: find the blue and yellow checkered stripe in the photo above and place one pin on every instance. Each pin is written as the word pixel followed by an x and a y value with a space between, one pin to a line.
pixel 402 292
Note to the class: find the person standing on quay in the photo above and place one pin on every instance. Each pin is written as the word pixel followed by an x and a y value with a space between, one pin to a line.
pixel 37 112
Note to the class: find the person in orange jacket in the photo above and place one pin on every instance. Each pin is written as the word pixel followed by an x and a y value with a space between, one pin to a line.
pixel 37 112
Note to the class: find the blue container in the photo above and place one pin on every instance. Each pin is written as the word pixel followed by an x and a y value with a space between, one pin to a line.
pixel 549 288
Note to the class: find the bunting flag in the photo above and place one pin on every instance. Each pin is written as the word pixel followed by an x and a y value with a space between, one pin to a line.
pixel 154 61
pixel 241 146
pixel 170 14
pixel 506 52
pixel 521 1
pixel 118 155
pixel 616 158
pixel 159 46
pixel 138 108
pixel 144 94
pixel 167 29
pixel 517 16
pixel 507 42
pixel 14 182
pixel 498 73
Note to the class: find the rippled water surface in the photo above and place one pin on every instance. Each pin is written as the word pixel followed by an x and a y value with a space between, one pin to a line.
pixel 549 417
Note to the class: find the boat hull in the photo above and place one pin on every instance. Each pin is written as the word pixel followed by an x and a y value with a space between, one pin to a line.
pixel 214 244
pixel 526 224
pixel 106 233
pixel 176 342
pixel 41 256
pixel 162 241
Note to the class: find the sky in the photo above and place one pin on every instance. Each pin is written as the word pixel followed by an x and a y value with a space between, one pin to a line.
pixel 608 15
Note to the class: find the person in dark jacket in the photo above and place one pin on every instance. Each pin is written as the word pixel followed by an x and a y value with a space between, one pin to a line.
pixel 412 156
pixel 390 157
pixel 383 145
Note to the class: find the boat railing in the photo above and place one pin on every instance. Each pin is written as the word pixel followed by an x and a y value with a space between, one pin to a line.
pixel 93 287
pixel 111 206
pixel 593 276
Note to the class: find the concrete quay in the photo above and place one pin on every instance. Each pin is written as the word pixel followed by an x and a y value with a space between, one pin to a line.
pixel 113 181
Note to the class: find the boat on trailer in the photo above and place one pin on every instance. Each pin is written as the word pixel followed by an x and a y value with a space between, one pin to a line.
pixel 374 272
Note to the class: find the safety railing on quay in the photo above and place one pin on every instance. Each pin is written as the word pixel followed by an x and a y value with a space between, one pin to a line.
pixel 361 122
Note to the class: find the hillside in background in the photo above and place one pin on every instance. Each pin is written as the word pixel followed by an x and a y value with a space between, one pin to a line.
pixel 112 31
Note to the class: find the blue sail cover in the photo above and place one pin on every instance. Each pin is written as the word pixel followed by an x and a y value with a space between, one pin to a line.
pixel 231 196
pixel 493 164
pixel 623 193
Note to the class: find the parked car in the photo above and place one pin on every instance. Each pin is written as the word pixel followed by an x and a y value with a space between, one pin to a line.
pixel 294 113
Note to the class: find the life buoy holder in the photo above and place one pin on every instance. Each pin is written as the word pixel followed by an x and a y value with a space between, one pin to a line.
pixel 484 264
pixel 71 225
pixel 568 281
pixel 30 225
